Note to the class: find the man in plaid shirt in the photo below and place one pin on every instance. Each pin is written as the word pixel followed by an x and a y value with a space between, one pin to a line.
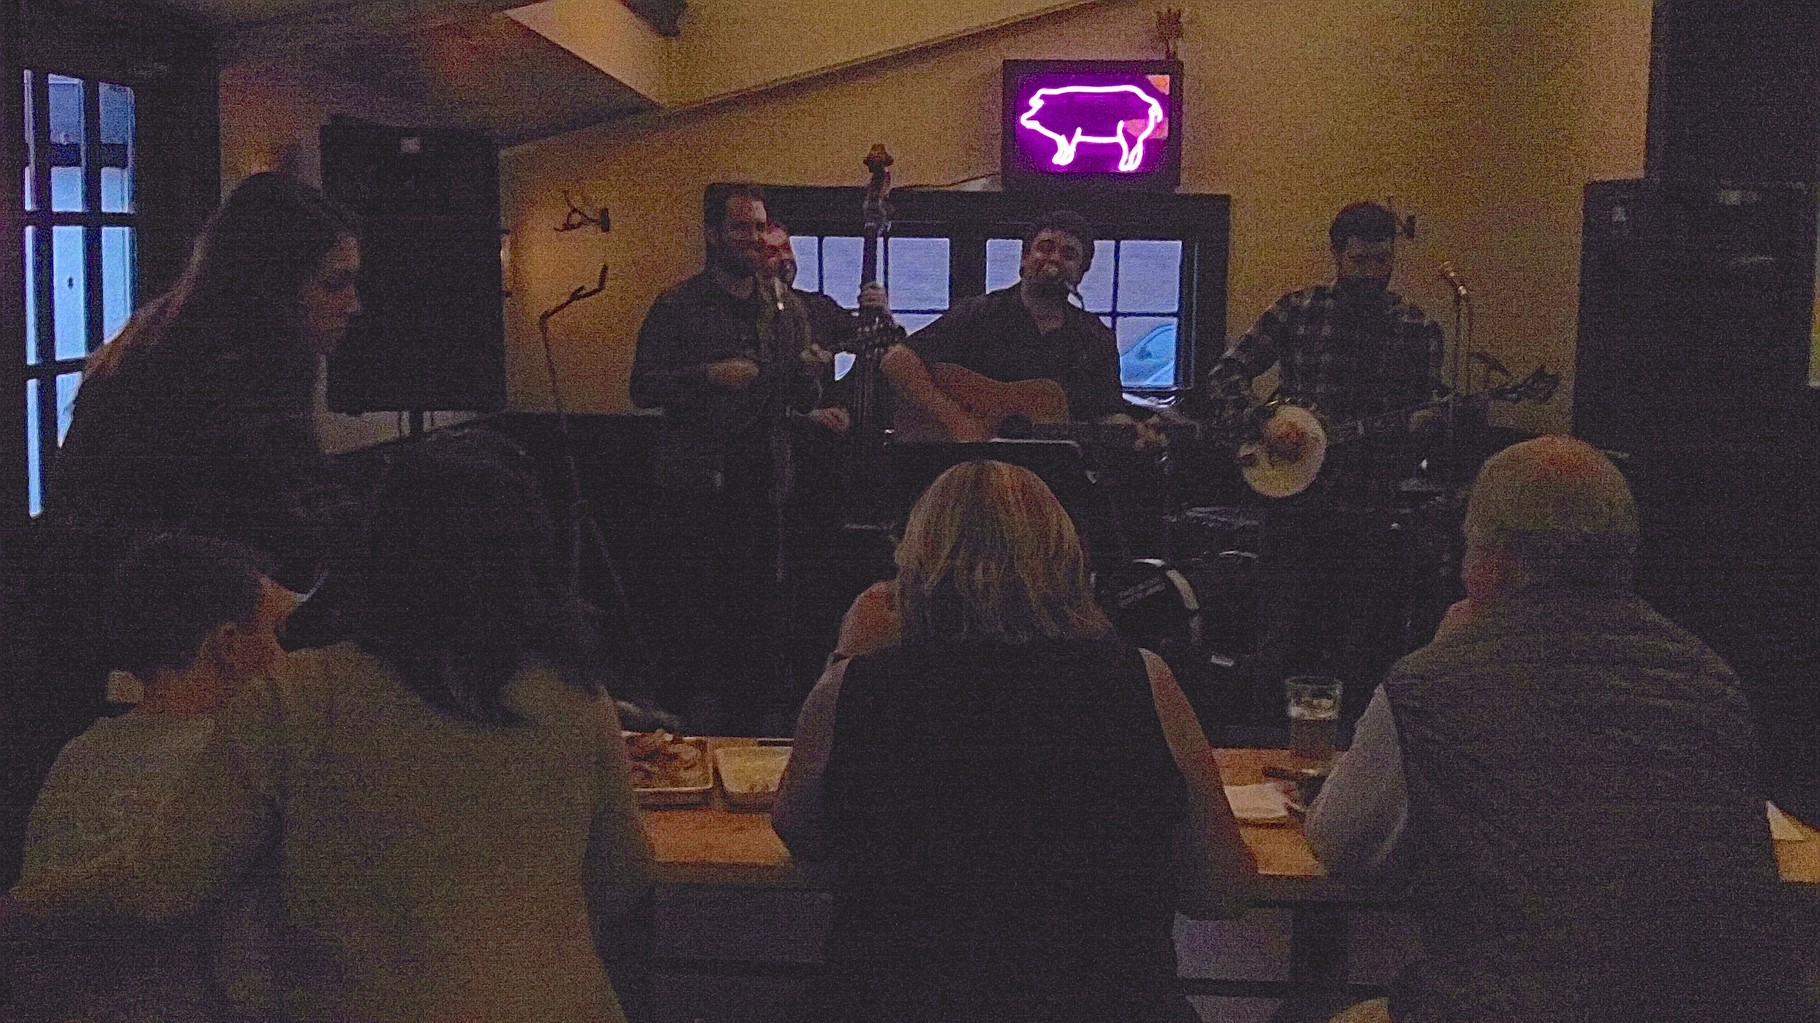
pixel 1350 349
pixel 1328 601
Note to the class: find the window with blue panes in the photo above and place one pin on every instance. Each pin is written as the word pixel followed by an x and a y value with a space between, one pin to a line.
pixel 915 272
pixel 1134 285
pixel 78 241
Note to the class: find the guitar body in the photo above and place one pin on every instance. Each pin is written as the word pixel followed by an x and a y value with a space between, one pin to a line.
pixel 989 401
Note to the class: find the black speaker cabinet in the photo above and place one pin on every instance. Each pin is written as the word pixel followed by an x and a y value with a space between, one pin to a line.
pixel 1696 304
pixel 432 332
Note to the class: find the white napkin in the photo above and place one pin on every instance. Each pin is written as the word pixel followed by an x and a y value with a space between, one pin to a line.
pixel 1782 827
pixel 1264 803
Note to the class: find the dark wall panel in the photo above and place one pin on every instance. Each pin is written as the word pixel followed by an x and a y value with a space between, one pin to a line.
pixel 433 332
pixel 1734 90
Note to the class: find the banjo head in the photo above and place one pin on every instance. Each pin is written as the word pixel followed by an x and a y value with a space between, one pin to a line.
pixel 1273 477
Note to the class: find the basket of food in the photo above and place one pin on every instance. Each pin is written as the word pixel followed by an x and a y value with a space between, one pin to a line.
pixel 749 775
pixel 669 770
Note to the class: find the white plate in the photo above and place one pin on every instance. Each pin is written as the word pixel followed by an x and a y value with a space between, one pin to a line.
pixel 694 794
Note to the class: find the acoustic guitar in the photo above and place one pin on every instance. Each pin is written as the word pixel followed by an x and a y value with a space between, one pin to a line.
pixel 991 403
pixel 1035 409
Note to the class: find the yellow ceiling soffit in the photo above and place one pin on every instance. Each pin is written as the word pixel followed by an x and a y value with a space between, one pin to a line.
pixel 734 48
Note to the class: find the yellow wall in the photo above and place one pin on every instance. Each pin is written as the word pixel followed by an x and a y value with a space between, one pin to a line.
pixel 1483 118
pixel 727 46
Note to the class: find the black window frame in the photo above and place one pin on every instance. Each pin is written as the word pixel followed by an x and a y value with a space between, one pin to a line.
pixel 169 62
pixel 1203 223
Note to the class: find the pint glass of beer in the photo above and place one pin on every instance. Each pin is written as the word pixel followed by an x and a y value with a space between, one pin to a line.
pixel 1314 717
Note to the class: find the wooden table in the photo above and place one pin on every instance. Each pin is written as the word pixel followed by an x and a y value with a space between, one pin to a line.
pixel 714 846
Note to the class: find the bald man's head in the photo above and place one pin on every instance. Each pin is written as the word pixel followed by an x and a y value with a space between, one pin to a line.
pixel 1552 510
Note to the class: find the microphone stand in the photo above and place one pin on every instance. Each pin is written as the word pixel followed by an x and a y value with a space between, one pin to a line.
pixel 1460 376
pixel 581 513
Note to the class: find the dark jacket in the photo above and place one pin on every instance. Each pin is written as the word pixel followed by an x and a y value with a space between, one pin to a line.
pixel 190 432
pixel 707 428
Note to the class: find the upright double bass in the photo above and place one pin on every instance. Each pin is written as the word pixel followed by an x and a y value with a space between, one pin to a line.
pixel 863 469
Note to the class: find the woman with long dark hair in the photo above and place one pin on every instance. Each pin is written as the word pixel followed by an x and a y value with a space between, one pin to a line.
pixel 1016 800
pixel 200 415
pixel 446 795
pixel 198 418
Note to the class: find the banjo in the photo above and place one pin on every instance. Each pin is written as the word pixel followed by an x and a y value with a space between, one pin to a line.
pixel 1273 475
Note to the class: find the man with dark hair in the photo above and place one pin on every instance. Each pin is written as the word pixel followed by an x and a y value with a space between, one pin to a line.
pixel 1350 348
pixel 1566 781
pixel 1027 331
pixel 729 357
pixel 192 620
pixel 172 595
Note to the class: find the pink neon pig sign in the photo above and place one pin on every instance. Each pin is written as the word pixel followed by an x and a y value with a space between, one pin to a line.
pixel 1113 111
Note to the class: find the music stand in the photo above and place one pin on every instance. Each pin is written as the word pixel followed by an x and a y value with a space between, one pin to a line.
pixel 1057 462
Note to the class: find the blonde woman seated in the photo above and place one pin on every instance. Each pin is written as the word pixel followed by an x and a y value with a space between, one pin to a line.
pixel 1016 800
pixel 447 796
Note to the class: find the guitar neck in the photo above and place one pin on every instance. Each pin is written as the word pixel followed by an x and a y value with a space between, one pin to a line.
pixel 1114 434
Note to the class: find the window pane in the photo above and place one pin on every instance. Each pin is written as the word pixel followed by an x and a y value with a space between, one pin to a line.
pixel 116 157
pixel 808 273
pixel 843 362
pixel 69 292
pixel 66 402
pixel 67 141
pixel 918 272
pixel 33 486
pixel 1001 262
pixel 31 298
pixel 1147 351
pixel 116 279
pixel 31 149
pixel 1096 287
pixel 840 269
pixel 913 322
pixel 1150 276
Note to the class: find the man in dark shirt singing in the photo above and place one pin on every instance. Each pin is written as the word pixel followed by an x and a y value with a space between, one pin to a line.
pixel 1027 331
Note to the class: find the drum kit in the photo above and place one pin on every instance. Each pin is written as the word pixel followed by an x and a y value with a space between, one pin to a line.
pixel 1194 598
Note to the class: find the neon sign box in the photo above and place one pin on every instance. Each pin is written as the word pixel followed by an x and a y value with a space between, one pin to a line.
pixel 1092 123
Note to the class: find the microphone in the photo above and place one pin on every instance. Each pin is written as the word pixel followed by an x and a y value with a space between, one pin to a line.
pixel 770 282
pixel 1452 278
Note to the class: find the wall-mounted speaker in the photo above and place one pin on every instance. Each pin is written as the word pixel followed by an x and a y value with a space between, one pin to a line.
pixel 432 332
pixel 1696 305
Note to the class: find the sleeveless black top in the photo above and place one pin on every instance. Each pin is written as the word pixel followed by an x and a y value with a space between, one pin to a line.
pixel 1003 818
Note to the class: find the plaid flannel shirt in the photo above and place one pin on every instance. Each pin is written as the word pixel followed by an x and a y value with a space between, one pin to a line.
pixel 1347 359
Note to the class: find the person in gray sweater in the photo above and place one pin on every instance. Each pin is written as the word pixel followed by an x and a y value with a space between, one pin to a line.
pixel 194 620
pixel 447 795
pixel 1566 781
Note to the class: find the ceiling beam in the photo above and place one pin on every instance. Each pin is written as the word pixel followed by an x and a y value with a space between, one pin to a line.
pixel 341 24
pixel 663 15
